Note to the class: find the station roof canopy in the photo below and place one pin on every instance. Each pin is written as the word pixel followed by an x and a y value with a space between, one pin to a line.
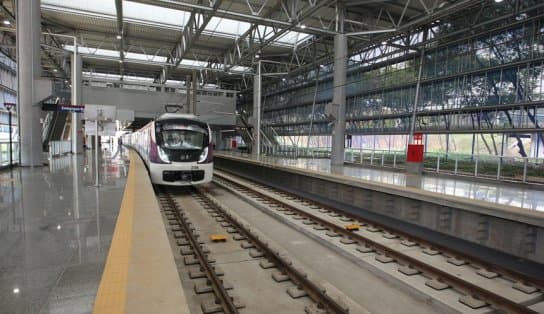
pixel 168 39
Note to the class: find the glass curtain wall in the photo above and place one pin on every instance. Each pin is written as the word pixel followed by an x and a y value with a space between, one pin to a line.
pixel 489 80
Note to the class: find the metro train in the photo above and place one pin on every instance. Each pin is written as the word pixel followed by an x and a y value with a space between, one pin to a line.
pixel 176 148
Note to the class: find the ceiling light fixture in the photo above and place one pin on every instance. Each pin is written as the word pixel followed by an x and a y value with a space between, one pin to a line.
pixel 302 26
pixel 119 36
pixel 7 22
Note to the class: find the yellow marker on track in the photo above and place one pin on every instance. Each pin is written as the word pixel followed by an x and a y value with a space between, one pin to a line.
pixel 352 227
pixel 218 238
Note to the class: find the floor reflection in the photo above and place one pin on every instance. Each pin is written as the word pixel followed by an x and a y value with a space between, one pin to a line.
pixel 55 230
pixel 489 192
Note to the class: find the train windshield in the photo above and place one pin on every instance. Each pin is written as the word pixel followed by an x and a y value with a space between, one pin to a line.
pixel 183 137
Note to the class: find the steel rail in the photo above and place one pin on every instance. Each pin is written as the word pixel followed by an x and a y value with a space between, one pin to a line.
pixel 315 292
pixel 220 292
pixel 490 297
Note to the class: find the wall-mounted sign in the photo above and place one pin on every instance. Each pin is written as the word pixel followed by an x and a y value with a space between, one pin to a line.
pixel 71 108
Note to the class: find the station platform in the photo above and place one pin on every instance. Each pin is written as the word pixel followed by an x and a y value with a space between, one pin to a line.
pixel 520 196
pixel 504 219
pixel 55 232
pixel 68 246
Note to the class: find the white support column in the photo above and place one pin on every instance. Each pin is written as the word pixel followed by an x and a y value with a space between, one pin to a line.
pixel 339 92
pixel 256 149
pixel 77 133
pixel 29 70
pixel 195 86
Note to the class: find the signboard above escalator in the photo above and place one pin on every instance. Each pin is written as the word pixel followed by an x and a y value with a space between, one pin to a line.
pixel 71 108
pixel 63 108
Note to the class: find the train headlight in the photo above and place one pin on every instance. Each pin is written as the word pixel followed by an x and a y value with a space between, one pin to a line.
pixel 203 155
pixel 162 155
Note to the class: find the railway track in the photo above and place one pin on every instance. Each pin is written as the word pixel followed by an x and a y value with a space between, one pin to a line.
pixel 188 236
pixel 271 255
pixel 479 283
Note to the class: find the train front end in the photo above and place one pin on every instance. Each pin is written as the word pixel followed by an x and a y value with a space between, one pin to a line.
pixel 183 154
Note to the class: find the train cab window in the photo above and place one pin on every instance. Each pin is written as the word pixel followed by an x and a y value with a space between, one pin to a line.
pixel 182 137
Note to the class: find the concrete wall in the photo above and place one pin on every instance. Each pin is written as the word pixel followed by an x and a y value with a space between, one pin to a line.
pixel 216 110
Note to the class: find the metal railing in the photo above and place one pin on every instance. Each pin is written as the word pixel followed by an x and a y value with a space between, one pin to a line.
pixel 500 168
pixel 59 148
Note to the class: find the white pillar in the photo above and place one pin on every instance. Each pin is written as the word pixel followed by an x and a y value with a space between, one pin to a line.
pixel 29 70
pixel 77 134
pixel 339 98
pixel 256 149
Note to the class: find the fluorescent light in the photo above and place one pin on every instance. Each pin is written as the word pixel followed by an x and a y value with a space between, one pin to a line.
pixel 302 26
pixel 498 1
pixel 55 70
pixel 119 36
pixel 257 56
pixel 58 227
pixel 7 22
pixel 16 290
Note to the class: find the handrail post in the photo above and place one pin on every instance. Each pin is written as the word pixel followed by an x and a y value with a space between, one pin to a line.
pixel 525 161
pixel 394 159
pixel 456 165
pixel 476 167
pixel 499 165
pixel 438 164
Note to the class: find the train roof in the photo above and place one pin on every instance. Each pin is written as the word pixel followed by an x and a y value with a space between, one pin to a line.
pixel 182 116
pixel 186 116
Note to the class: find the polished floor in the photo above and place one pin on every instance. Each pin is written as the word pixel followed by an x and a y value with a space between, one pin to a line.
pixel 55 231
pixel 496 193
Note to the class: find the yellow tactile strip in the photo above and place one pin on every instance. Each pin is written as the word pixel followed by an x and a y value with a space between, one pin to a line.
pixel 140 275
pixel 111 294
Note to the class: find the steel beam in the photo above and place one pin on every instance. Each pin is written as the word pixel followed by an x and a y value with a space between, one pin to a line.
pixel 186 6
pixel 120 32
pixel 252 50
pixel 195 26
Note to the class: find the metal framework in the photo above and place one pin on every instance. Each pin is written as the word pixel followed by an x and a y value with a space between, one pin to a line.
pixel 479 72
pixel 479 63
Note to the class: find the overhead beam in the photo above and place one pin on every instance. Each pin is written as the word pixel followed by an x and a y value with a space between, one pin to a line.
pixel 236 57
pixel 191 32
pixel 242 38
pixel 425 18
pixel 186 6
pixel 120 32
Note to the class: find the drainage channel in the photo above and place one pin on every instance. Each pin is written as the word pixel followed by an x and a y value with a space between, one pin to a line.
pixel 474 295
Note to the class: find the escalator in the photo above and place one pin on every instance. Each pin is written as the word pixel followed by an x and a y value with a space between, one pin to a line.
pixel 245 131
pixel 55 122
pixel 53 128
